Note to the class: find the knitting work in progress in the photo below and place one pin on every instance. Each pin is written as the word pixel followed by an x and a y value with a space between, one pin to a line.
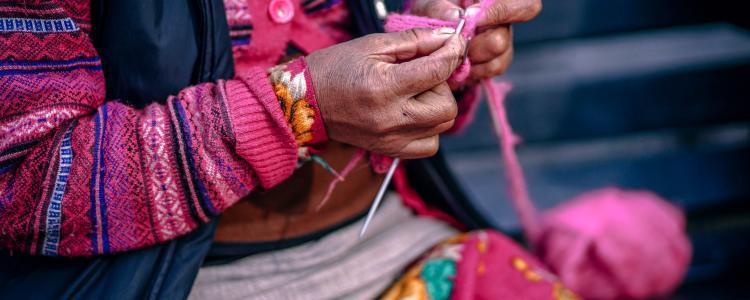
pixel 604 244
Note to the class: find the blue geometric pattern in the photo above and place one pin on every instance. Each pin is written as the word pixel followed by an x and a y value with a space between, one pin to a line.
pixel 54 210
pixel 37 25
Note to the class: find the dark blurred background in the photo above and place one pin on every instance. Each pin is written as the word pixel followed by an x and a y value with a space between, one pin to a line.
pixel 645 94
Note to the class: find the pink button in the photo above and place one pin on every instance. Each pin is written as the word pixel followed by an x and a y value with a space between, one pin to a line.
pixel 281 11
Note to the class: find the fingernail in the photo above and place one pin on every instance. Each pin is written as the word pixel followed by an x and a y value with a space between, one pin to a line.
pixel 445 30
pixel 472 11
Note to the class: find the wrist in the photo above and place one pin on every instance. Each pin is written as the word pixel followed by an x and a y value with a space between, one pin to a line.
pixel 294 89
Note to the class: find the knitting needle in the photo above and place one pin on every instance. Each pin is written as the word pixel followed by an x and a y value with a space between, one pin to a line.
pixel 379 196
pixel 392 168
pixel 461 23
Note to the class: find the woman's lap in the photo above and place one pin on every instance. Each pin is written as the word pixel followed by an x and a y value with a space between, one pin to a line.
pixel 338 265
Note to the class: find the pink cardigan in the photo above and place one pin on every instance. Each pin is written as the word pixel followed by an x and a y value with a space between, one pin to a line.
pixel 83 175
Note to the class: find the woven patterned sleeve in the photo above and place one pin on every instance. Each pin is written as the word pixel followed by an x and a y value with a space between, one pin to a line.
pixel 83 176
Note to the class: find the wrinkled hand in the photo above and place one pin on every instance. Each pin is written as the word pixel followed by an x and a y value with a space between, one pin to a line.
pixel 387 92
pixel 491 50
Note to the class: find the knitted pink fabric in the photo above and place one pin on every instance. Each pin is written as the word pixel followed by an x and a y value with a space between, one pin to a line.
pixel 398 22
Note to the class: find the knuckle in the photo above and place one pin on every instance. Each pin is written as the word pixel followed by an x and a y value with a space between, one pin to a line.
pixel 387 141
pixel 497 67
pixel 451 110
pixel 410 35
pixel 432 147
pixel 376 39
pixel 446 126
pixel 446 108
pixel 435 72
pixel 420 8
pixel 381 128
pixel 498 43
pixel 376 126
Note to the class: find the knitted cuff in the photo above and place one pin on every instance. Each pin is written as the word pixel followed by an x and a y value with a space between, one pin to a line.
pixel 294 89
pixel 262 136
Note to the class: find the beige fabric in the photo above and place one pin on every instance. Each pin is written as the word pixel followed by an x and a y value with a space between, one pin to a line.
pixel 338 266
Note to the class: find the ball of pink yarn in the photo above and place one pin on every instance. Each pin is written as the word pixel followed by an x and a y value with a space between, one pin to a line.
pixel 612 243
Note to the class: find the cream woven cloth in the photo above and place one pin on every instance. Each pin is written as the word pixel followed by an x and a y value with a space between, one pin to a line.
pixel 338 266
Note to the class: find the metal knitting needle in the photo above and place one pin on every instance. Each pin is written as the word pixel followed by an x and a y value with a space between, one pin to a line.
pixel 461 23
pixel 392 168
pixel 379 196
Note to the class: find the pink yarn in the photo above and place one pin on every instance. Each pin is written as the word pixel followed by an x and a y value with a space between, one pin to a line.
pixel 398 22
pixel 344 172
pixel 514 174
pixel 604 244
pixel 611 243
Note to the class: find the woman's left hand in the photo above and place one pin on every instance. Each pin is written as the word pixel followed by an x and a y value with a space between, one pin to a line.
pixel 491 50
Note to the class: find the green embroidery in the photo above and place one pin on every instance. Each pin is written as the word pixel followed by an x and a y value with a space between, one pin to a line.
pixel 438 275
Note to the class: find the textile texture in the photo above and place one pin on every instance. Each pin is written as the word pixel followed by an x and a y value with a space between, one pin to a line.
pixel 478 265
pixel 338 266
pixel 84 175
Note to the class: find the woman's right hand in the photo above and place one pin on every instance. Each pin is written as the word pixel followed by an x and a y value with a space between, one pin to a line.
pixel 387 92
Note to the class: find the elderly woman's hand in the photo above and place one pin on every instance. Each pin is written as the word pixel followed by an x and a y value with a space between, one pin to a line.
pixel 387 92
pixel 490 51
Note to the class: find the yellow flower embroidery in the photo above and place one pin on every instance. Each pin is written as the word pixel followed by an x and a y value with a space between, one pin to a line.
pixel 409 287
pixel 291 91
pixel 559 292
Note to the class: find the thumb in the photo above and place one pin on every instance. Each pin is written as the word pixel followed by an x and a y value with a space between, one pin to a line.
pixel 437 9
pixel 406 45
pixel 422 73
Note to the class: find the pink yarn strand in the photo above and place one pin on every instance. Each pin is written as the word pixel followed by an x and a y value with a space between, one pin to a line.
pixel 344 172
pixel 514 173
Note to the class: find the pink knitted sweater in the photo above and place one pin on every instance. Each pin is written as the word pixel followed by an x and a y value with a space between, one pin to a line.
pixel 83 175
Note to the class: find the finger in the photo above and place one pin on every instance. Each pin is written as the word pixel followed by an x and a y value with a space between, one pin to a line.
pixel 494 67
pixel 489 44
pixel 423 73
pixel 438 9
pixel 431 108
pixel 405 45
pixel 420 148
pixel 507 12
pixel 420 133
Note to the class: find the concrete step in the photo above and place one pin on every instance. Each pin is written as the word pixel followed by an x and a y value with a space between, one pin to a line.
pixel 611 85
